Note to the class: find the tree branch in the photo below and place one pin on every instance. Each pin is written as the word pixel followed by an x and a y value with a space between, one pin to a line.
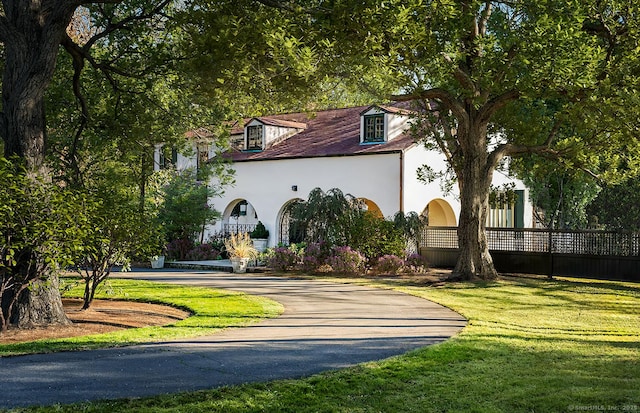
pixel 487 111
pixel 442 95
pixel 111 27
pixel 486 13
pixel 461 76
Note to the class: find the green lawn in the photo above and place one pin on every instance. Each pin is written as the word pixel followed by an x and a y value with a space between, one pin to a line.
pixel 211 310
pixel 531 345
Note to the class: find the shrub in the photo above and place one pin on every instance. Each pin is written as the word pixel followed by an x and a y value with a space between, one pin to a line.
pixel 375 237
pixel 347 261
pixel 314 256
pixel 282 258
pixel 202 252
pixel 416 263
pixel 389 264
pixel 217 242
pixel 178 249
pixel 260 232
pixel 184 209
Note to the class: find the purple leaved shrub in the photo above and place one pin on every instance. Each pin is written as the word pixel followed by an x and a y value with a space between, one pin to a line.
pixel 389 264
pixel 347 261
pixel 282 259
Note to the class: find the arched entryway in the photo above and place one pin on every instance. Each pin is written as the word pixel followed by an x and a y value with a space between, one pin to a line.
pixel 372 207
pixel 288 233
pixel 440 214
pixel 239 216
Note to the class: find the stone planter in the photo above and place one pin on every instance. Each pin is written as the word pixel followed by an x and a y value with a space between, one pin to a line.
pixel 239 265
pixel 157 262
pixel 260 244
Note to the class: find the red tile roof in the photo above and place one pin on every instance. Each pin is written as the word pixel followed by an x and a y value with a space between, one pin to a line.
pixel 328 133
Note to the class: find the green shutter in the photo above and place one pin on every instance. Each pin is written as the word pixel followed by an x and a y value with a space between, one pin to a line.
pixel 519 210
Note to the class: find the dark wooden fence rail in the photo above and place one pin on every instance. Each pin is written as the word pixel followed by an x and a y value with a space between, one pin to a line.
pixel 597 254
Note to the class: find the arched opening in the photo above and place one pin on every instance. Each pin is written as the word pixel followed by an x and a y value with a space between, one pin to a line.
pixel 440 214
pixel 239 216
pixel 372 207
pixel 288 232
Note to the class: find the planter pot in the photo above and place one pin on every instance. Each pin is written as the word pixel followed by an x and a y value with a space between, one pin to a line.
pixel 239 265
pixel 260 244
pixel 157 262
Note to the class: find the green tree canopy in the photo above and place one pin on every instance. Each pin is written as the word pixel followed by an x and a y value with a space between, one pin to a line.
pixel 617 207
pixel 475 67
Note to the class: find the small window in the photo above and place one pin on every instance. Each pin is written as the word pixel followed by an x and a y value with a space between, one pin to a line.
pixel 237 142
pixel 374 128
pixel 254 138
pixel 168 157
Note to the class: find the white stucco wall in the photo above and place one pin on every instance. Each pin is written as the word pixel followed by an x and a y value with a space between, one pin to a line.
pixel 267 185
pixel 418 194
pixel 184 160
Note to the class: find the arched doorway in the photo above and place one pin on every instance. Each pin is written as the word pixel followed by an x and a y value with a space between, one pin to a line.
pixel 440 214
pixel 239 216
pixel 288 231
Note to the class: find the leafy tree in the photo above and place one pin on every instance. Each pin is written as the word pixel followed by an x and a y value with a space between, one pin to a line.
pixel 130 43
pixel 474 67
pixel 412 226
pixel 560 196
pixel 617 207
pixel 327 217
pixel 32 33
pixel 118 233
pixel 184 210
pixel 41 226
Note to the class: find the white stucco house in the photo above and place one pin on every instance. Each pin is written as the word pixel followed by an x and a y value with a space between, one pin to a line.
pixel 364 151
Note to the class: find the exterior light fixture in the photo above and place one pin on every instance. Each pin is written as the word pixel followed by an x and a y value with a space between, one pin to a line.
pixel 294 188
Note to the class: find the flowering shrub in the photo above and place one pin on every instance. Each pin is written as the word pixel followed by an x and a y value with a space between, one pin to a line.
pixel 389 264
pixel 202 252
pixel 282 258
pixel 315 255
pixel 347 261
pixel 416 263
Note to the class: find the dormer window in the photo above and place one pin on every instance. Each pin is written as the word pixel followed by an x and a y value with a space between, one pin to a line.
pixel 373 128
pixel 254 137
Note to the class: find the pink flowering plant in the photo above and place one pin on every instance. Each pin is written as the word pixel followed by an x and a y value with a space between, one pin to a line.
pixel 282 258
pixel 389 264
pixel 347 261
pixel 314 256
pixel 416 263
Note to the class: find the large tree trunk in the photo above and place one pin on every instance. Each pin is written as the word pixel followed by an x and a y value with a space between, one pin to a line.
pixel 41 305
pixel 475 177
pixel 31 36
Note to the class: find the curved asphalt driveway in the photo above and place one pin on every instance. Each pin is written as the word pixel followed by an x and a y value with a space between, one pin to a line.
pixel 325 326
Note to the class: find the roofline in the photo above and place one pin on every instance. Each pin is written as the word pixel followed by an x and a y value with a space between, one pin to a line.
pixel 341 155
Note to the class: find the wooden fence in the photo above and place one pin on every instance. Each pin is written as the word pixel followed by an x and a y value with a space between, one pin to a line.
pixel 595 254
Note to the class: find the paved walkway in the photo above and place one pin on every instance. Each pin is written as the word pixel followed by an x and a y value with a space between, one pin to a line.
pixel 325 326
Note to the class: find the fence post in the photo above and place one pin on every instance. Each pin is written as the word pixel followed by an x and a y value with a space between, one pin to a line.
pixel 550 246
